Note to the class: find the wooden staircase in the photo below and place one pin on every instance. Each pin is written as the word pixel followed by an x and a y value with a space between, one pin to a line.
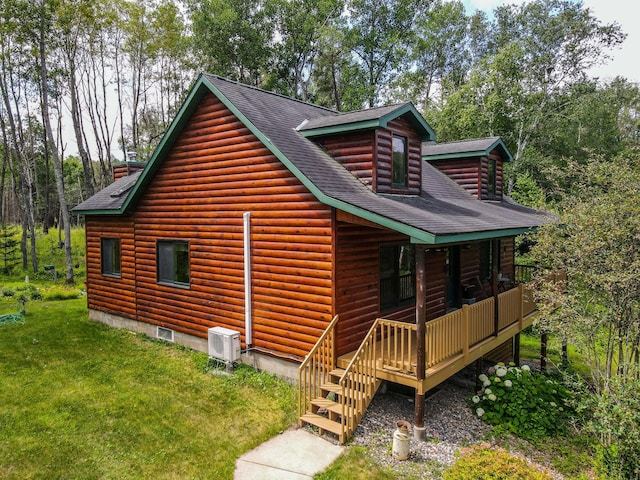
pixel 332 399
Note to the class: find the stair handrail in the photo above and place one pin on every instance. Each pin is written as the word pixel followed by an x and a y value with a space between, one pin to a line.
pixel 356 407
pixel 308 384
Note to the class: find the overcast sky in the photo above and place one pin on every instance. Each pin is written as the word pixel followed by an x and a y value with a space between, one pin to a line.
pixel 626 61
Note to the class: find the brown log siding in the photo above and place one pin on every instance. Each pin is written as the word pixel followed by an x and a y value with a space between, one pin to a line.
pixel 355 152
pixel 383 159
pixel 108 293
pixel 472 174
pixel 216 171
pixel 464 171
pixel 357 282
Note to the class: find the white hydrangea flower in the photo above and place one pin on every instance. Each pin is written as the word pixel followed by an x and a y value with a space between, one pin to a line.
pixel 526 368
pixel 475 399
pixel 488 391
pixel 508 383
pixel 483 377
pixel 492 397
pixel 486 383
pixel 480 412
pixel 553 404
pixel 501 371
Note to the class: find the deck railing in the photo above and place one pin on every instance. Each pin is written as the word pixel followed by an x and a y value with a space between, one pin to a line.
pixel 481 320
pixel 314 370
pixel 510 307
pixel 397 343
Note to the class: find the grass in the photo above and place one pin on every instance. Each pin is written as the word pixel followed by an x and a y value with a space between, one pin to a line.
pixel 355 464
pixel 82 400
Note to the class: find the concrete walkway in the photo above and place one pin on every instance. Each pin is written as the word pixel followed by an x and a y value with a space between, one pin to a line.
pixel 293 455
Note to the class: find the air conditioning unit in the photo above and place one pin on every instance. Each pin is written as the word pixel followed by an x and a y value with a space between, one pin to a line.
pixel 224 344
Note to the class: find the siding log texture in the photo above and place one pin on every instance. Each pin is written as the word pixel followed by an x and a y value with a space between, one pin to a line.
pixel 216 171
pixel 472 174
pixel 357 282
pixel 107 293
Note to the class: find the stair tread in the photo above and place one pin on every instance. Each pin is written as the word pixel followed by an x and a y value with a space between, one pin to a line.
pixel 331 387
pixel 337 372
pixel 327 404
pixel 322 422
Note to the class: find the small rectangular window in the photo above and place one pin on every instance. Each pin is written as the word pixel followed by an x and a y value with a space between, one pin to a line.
pixel 491 178
pixel 397 276
pixel 173 262
pixel 110 256
pixel 400 163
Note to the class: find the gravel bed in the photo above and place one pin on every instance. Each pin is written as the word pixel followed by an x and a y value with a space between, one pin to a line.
pixel 450 424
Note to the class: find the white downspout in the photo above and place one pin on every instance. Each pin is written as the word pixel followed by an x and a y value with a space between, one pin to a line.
pixel 248 327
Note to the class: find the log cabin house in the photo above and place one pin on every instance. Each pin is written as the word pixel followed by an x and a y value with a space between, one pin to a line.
pixel 344 248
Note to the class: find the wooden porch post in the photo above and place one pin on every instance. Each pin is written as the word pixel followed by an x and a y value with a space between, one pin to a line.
pixel 516 349
pixel 419 430
pixel 495 257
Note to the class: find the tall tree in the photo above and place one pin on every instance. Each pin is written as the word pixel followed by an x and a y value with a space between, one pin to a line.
pixel 233 38
pixel 541 47
pixel 379 35
pixel 45 22
pixel 440 52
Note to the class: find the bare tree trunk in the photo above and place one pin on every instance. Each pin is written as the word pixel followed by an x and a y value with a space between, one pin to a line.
pixel 57 164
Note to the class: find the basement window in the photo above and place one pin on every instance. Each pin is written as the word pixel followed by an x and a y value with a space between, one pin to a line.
pixel 110 256
pixel 173 263
pixel 165 334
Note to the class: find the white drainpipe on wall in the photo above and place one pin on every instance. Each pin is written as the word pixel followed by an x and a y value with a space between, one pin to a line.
pixel 248 328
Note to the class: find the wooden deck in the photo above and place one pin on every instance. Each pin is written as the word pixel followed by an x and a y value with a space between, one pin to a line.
pixel 343 387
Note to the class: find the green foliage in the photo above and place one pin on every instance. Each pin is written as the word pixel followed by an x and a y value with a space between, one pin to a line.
pixel 8 247
pixel 616 422
pixel 60 293
pixel 528 404
pixel 481 462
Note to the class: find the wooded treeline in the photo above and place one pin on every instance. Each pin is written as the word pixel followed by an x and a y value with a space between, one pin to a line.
pixel 103 78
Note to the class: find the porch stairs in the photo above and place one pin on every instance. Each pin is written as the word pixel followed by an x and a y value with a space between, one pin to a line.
pixel 334 399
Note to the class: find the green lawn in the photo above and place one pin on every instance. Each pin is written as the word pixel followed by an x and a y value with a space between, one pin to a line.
pixel 81 400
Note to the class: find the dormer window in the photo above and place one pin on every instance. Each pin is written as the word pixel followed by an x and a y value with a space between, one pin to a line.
pixel 400 162
pixel 491 177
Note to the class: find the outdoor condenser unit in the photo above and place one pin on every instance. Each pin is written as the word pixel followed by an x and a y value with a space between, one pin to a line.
pixel 224 344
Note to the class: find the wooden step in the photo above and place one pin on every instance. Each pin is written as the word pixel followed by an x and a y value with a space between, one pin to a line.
pixel 331 388
pixel 322 423
pixel 329 405
pixel 336 373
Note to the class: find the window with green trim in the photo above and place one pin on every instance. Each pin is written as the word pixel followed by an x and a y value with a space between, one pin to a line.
pixel 397 276
pixel 173 262
pixel 491 177
pixel 110 256
pixel 400 162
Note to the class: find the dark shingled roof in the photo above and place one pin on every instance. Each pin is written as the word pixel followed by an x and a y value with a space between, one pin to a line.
pixel 464 148
pixel 443 211
pixel 111 197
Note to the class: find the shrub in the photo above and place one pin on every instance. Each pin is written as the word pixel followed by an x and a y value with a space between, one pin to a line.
pixel 60 293
pixel 616 421
pixel 481 462
pixel 528 404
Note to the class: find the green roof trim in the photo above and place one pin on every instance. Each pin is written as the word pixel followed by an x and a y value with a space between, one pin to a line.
pixel 499 143
pixel 472 236
pixel 415 119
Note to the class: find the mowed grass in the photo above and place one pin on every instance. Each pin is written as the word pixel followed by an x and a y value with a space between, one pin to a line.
pixel 79 400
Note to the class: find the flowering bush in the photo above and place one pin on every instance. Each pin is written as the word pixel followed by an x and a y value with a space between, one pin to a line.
pixel 529 404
